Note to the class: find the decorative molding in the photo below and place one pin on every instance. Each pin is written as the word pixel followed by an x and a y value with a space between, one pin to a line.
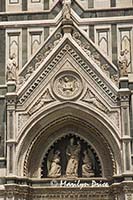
pixel 38 59
pixel 13 1
pixel 82 65
pixel 92 74
pixel 44 74
pixel 93 53
pixel 26 163
pixel 35 1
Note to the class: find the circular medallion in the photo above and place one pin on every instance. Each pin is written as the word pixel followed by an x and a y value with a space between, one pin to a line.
pixel 67 85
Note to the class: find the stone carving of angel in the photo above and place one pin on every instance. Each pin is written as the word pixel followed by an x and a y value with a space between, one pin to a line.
pixel 53 164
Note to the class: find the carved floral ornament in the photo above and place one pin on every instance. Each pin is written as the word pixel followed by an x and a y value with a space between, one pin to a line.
pixel 67 85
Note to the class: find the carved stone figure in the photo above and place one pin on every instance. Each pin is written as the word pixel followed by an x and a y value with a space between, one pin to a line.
pixel 73 151
pixel 12 69
pixel 67 85
pixel 43 100
pixel 87 170
pixel 123 63
pixel 96 58
pixel 54 170
pixel 105 68
pixel 66 12
pixel 48 49
pixel 91 98
pixel 115 79
pixel 39 60
pixel 76 37
pixel 58 37
pixel 29 72
pixel 86 48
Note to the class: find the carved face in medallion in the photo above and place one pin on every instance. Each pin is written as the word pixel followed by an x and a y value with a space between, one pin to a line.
pixel 67 85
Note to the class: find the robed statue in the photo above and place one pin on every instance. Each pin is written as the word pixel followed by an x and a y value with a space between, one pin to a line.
pixel 11 74
pixel 73 152
pixel 53 164
pixel 87 170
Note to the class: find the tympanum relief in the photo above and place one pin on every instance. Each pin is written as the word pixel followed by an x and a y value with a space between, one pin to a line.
pixel 70 157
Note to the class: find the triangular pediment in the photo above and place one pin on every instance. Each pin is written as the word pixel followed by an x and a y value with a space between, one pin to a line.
pixel 71 52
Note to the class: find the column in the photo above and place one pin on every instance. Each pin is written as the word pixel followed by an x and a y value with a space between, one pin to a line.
pixel 124 94
pixel 11 122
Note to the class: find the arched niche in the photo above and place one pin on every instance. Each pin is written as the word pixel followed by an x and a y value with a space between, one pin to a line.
pixel 34 158
pixel 54 123
pixel 71 156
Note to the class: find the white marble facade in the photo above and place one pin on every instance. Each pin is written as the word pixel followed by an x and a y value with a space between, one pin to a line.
pixel 68 76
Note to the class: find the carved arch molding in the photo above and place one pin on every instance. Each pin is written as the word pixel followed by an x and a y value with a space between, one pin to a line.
pixel 56 137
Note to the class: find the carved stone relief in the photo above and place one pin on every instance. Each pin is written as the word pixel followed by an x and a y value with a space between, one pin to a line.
pixel 114 116
pixel 89 97
pixel 93 54
pixel 42 101
pixel 123 63
pixel 38 59
pixel 70 158
pixel 67 85
pixel 22 119
pixel 66 11
pixel 75 80
pixel 11 74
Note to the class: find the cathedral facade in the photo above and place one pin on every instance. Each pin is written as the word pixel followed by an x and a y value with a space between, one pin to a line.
pixel 66 104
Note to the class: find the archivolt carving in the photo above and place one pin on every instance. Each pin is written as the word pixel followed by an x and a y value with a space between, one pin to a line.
pixel 29 150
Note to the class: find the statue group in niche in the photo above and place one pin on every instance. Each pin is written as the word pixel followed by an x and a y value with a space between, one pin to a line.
pixel 73 158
